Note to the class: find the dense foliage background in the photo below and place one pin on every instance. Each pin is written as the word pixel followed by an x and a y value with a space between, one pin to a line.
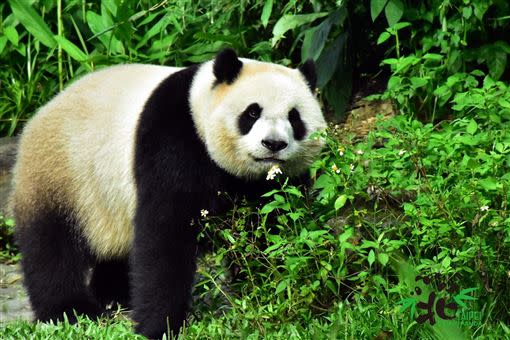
pixel 425 193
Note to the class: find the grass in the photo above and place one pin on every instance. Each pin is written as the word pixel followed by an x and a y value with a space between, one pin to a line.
pixel 359 318
pixel 116 328
pixel 346 321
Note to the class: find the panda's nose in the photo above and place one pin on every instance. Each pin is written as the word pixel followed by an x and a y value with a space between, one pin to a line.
pixel 274 145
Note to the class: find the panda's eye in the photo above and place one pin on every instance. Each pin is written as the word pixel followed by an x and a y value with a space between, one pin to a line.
pixel 298 126
pixel 254 114
pixel 248 118
pixel 253 111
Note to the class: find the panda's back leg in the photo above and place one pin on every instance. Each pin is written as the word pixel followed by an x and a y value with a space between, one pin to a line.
pixel 55 263
pixel 110 282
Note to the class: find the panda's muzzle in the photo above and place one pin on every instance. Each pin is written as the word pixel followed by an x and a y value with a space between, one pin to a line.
pixel 269 160
pixel 274 145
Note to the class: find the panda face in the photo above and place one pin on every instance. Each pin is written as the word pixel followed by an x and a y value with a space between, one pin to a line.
pixel 262 118
pixel 270 139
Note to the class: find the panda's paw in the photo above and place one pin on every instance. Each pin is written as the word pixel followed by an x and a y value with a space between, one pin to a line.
pixel 150 331
pixel 155 328
pixel 91 309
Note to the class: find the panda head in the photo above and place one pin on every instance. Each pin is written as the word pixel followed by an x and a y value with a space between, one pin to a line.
pixel 253 115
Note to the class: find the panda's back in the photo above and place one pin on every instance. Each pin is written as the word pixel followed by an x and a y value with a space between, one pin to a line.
pixel 76 154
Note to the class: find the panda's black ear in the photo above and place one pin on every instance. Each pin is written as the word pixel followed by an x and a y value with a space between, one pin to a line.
pixel 308 70
pixel 227 66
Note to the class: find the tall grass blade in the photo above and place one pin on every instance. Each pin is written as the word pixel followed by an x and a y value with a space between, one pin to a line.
pixel 32 22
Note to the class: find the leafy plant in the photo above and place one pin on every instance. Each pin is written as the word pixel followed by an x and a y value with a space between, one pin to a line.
pixel 8 250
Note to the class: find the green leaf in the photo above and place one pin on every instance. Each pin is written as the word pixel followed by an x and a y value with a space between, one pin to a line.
pixel 490 183
pixel 3 42
pixel 316 38
pixel 314 41
pixel 503 46
pixel 74 51
pixel 137 15
pixel 418 82
pixel 408 303
pixel 266 209
pixel 33 22
pixel 295 215
pixel 345 235
pixel 383 37
pixel 279 198
pixel 471 127
pixel 383 258
pixel 371 257
pixel 294 191
pixel 401 25
pixel 328 61
pixel 291 21
pixel 266 12
pixel 11 34
pixel 462 295
pixel 433 56
pixel 340 201
pixel 504 103
pixel 271 193
pixel 226 235
pixel 376 7
pixel 446 262
pixel 480 8
pixel 281 287
pixel 497 63
pixel 394 11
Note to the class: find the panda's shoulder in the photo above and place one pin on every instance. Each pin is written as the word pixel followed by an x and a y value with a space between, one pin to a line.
pixel 125 74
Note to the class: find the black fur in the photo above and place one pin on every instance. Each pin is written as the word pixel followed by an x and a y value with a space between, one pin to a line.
pixel 227 66
pixel 110 282
pixel 248 118
pixel 175 179
pixel 55 263
pixel 298 126
pixel 308 70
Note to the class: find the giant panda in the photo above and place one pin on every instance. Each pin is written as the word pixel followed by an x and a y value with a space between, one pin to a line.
pixel 110 173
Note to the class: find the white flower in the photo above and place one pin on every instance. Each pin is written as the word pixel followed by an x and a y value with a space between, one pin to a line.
pixel 401 152
pixel 351 166
pixel 204 212
pixel 484 208
pixel 341 151
pixel 275 170
pixel 359 152
pixel 335 168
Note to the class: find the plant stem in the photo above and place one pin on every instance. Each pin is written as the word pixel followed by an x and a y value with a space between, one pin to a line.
pixel 59 32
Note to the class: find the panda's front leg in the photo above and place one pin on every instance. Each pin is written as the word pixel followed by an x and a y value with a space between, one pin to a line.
pixel 163 264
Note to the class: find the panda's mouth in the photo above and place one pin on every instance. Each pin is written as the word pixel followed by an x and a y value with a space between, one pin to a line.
pixel 269 160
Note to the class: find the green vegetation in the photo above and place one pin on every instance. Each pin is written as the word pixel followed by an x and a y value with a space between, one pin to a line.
pixel 426 193
pixel 114 328
pixel 8 250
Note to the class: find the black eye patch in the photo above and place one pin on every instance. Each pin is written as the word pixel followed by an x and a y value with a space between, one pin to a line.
pixel 248 118
pixel 297 124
